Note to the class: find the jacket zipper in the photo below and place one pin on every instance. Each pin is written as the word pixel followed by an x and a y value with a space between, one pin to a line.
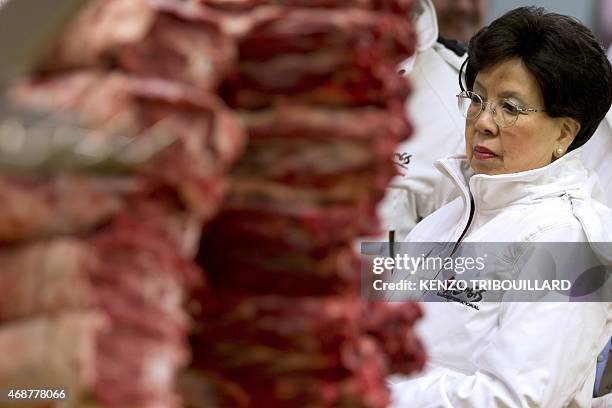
pixel 467 227
pixel 471 204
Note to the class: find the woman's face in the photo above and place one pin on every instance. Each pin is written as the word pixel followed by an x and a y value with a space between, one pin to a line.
pixel 534 138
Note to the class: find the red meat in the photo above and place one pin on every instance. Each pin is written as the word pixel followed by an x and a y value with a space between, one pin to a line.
pixel 208 137
pixel 323 271
pixel 147 39
pixel 360 382
pixel 41 207
pixel 323 57
pixel 136 280
pixel 391 324
pixel 57 351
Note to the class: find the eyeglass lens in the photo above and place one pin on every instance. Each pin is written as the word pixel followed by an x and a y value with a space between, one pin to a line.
pixel 471 106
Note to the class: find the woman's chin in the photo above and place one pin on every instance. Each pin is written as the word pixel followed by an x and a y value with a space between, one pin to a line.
pixel 490 166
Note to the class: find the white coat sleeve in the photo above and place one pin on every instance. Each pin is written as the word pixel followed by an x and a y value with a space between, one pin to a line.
pixel 602 402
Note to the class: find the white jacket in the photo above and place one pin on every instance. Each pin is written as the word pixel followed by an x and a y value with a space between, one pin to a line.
pixel 513 354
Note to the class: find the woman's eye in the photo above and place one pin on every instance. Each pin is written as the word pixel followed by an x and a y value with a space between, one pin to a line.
pixel 510 108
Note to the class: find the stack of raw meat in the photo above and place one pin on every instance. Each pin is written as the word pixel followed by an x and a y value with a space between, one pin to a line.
pixel 97 265
pixel 97 259
pixel 283 324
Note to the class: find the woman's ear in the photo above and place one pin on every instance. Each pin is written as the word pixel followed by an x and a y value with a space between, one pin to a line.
pixel 569 129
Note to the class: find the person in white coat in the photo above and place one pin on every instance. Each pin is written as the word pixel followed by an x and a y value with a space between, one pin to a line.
pixel 433 72
pixel 597 153
pixel 537 85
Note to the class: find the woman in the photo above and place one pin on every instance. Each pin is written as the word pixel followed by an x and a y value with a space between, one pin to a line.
pixel 536 86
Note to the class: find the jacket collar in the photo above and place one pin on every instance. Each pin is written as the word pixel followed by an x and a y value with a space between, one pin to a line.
pixel 565 176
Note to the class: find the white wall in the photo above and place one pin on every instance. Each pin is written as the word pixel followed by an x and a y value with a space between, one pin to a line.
pixel 584 10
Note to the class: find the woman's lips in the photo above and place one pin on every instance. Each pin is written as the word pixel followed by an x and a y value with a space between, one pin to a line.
pixel 482 153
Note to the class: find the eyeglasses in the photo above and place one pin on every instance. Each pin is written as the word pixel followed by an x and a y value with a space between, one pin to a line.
pixel 505 112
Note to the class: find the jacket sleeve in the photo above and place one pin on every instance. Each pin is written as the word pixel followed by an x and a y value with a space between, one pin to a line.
pixel 602 402
pixel 541 356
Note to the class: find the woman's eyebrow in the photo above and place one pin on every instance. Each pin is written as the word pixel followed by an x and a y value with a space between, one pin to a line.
pixel 512 94
pixel 479 89
pixel 504 94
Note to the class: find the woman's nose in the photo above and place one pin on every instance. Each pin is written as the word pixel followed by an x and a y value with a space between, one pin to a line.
pixel 485 122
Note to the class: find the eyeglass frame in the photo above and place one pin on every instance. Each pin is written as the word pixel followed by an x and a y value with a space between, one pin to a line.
pixel 484 104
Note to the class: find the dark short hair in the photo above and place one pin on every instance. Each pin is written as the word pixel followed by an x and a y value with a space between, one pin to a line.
pixel 567 61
